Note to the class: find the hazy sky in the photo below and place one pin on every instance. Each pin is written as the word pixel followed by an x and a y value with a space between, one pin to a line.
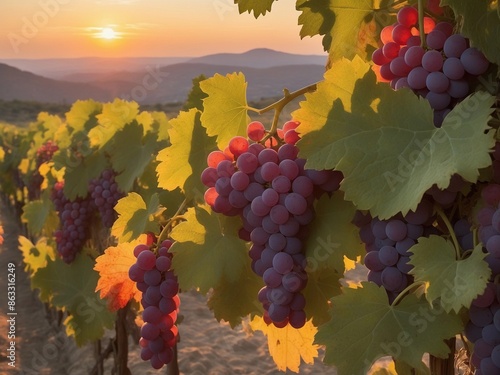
pixel 73 28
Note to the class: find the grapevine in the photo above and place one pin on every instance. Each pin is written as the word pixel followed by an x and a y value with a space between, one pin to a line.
pixel 363 221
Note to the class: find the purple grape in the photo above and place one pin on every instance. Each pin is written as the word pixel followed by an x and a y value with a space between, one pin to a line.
pixel 282 263
pixel 437 82
pixel 417 78
pixel 474 61
pixel 413 56
pixel 432 61
pixel 453 68
pixel 388 256
pixel 436 39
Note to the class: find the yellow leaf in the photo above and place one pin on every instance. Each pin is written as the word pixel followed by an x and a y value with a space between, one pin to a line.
pixel 288 345
pixel 24 166
pixel 382 368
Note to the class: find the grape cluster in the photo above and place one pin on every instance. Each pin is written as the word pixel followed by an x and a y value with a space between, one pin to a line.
pixel 75 217
pixel 45 152
pixel 438 72
pixel 158 284
pixel 488 218
pixel 269 188
pixel 447 197
pixel 105 194
pixel 387 244
pixel 463 231
pixel 43 155
pixel 483 329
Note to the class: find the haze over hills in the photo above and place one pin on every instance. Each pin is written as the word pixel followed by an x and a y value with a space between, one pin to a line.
pixel 153 85
pixel 151 80
pixel 256 58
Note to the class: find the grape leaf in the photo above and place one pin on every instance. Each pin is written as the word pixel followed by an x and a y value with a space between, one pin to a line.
pixel 160 125
pixel 385 142
pixel 258 7
pixel 131 154
pixel 322 285
pixel 72 288
pixel 225 108
pixel 480 23
pixel 455 282
pixel 364 327
pixel 182 163
pixel 79 172
pixel 288 345
pixel 134 217
pixel 332 235
pixel 207 250
pixel 230 301
pixel 114 117
pixel 38 214
pixel 114 283
pixel 195 96
pixel 348 27
pixel 35 256
pixel 81 116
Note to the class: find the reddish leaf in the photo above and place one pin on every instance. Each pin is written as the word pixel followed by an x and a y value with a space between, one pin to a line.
pixel 114 283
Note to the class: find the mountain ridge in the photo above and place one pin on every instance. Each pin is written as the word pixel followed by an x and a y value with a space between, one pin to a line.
pixel 59 68
pixel 165 84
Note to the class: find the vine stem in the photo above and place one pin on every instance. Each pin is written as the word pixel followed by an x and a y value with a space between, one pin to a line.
pixel 167 226
pixel 406 290
pixel 421 22
pixel 287 98
pixel 446 221
pixel 280 104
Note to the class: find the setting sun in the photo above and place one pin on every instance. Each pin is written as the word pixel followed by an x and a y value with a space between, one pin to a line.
pixel 108 33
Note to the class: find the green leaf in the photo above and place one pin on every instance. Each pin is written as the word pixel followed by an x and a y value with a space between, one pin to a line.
pixel 131 154
pixel 36 256
pixel 231 301
pixel 113 118
pixel 134 217
pixel 480 20
pixel 385 142
pixel 225 108
pixel 182 163
pixel 39 214
pixel 322 285
pixel 455 282
pixel 348 27
pixel 364 327
pixel 332 235
pixel 195 96
pixel 171 200
pixel 72 288
pixel 207 250
pixel 79 172
pixel 258 7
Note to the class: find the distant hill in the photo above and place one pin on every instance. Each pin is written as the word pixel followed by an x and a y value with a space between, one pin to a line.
pixel 172 83
pixel 260 58
pixel 256 58
pixel 59 68
pixel 21 85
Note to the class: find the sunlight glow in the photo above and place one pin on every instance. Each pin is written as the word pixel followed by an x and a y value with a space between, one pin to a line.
pixel 108 33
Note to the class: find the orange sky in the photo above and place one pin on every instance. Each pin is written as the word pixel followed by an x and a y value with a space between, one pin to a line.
pixel 68 28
